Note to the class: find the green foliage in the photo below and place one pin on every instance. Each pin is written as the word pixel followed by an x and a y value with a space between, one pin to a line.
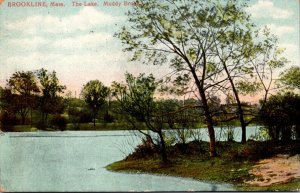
pixel 50 102
pixel 136 98
pixel 108 118
pixel 136 102
pixel 23 86
pixel 182 35
pixel 261 135
pixel 59 122
pixel 94 94
pixel 291 77
pixel 281 116
pixel 23 83
pixel 245 87
pixel 210 45
pixel 7 121
pixel 50 85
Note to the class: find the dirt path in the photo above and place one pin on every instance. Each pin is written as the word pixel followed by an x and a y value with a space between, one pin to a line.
pixel 279 169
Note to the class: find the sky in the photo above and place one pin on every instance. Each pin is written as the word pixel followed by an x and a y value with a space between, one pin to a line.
pixel 78 41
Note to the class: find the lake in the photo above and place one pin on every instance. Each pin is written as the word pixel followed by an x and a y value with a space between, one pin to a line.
pixel 76 160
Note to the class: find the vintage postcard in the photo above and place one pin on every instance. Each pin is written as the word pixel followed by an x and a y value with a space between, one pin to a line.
pixel 149 95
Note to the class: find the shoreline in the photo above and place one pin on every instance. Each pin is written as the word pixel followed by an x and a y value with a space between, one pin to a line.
pixel 292 184
pixel 267 171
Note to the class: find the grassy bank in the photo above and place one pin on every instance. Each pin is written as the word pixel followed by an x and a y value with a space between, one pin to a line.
pixel 192 161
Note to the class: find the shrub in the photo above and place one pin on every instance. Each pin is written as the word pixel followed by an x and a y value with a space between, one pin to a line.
pixel 108 118
pixel 59 122
pixel 7 120
pixel 85 117
pixel 145 149
pixel 280 115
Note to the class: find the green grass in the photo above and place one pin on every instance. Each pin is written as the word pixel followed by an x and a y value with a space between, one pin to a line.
pixel 98 126
pixel 207 170
pixel 24 128
pixel 73 127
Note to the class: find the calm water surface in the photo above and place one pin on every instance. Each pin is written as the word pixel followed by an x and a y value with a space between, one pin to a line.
pixel 76 160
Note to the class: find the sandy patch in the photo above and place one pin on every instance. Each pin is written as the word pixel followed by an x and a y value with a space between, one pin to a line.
pixel 279 169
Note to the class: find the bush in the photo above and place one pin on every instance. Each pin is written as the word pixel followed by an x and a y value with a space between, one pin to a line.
pixel 59 122
pixel 41 125
pixel 7 120
pixel 86 117
pixel 145 149
pixel 281 115
pixel 108 118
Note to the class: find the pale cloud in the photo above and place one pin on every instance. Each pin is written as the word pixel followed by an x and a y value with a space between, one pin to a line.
pixel 291 51
pixel 86 19
pixel 31 61
pixel 266 9
pixel 74 70
pixel 29 43
pixel 280 30
pixel 87 41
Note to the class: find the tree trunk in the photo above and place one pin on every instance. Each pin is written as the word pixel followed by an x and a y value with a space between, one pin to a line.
pixel 94 119
pixel 31 117
pixel 239 105
pixel 162 150
pixel 211 132
pixel 209 120
pixel 207 113
pixel 23 117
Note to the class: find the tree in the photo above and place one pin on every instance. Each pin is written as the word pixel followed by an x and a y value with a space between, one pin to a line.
pixel 136 103
pixel 94 94
pixel 260 58
pixel 50 102
pixel 23 85
pixel 184 35
pixel 291 77
pixel 281 116
pixel 231 37
pixel 7 110
pixel 249 58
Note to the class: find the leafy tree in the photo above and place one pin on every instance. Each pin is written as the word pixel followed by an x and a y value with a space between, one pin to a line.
pixel 186 35
pixel 231 37
pixel 158 33
pixel 264 58
pixel 136 103
pixel 7 110
pixel 94 94
pixel 6 100
pixel 253 73
pixel 248 58
pixel 50 102
pixel 281 116
pixel 291 77
pixel 23 85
